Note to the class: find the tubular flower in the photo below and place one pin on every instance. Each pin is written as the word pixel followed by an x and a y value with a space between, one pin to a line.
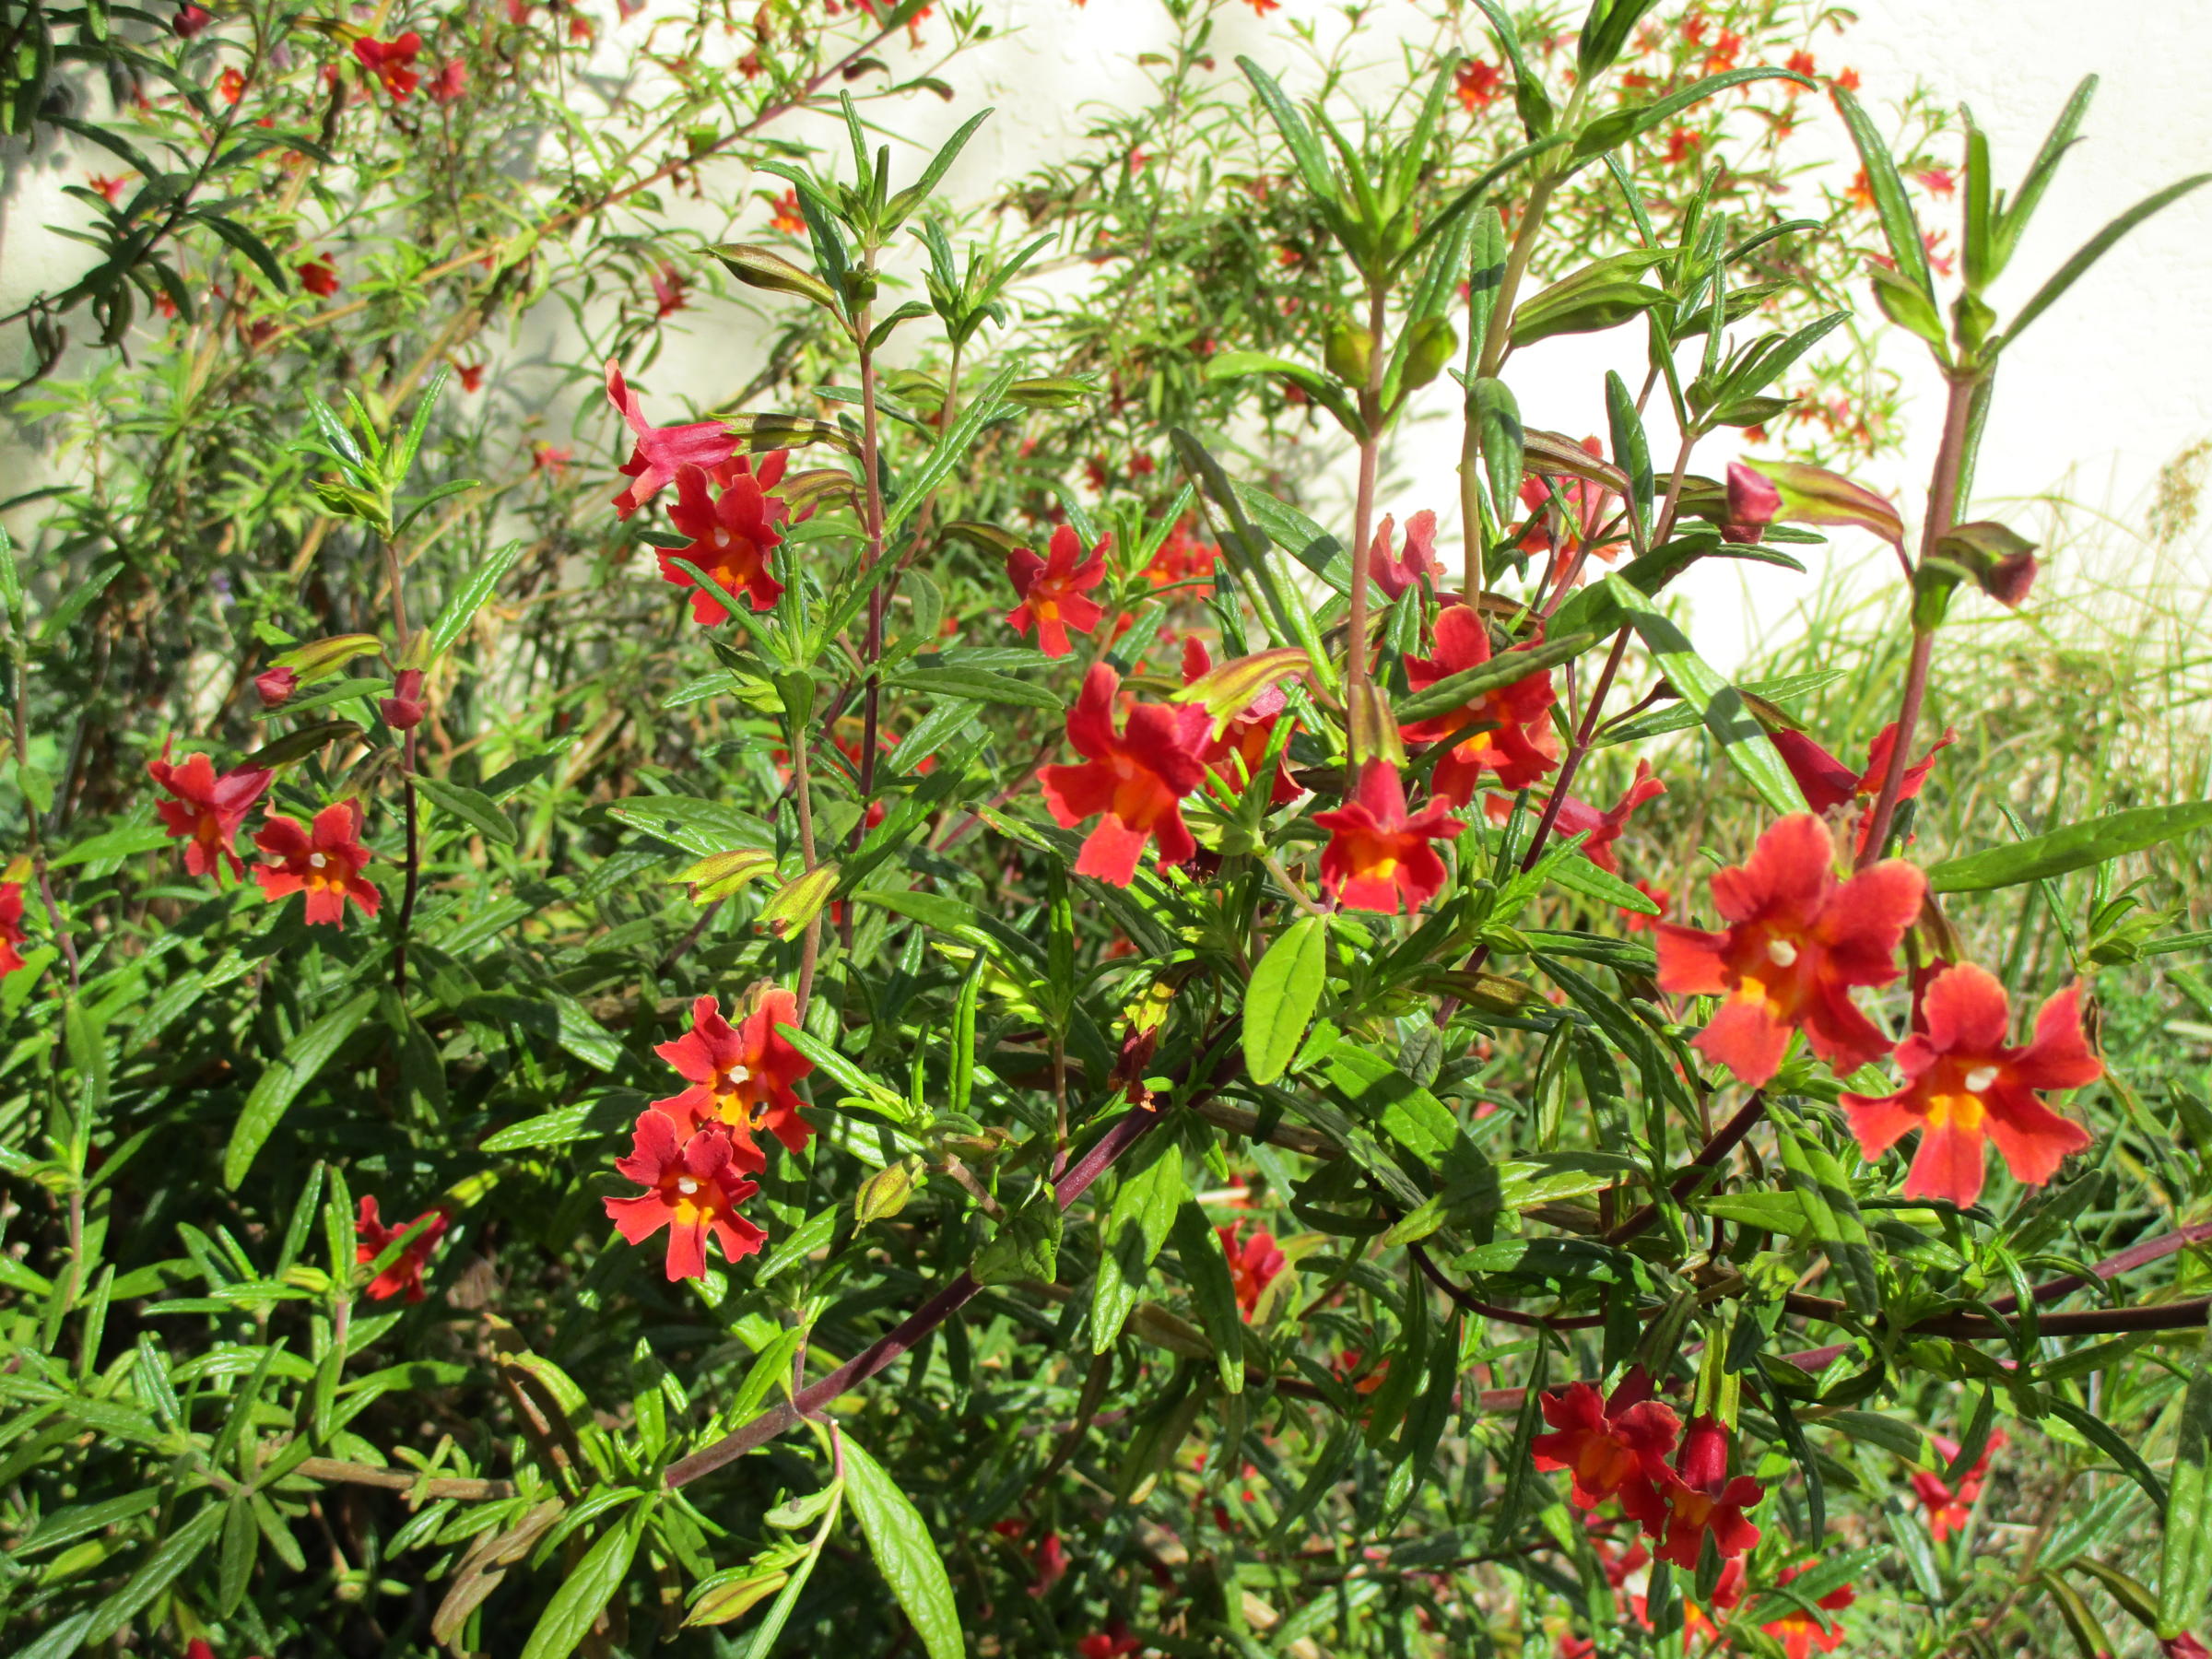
pixel 11 926
pixel 1963 1082
pixel 1702 1502
pixel 659 451
pixel 207 810
pixel 1947 1507
pixel 1132 781
pixel 741 1076
pixel 731 539
pixel 1605 828
pixel 1378 857
pixel 1800 1633
pixel 693 1189
pixel 1798 940
pixel 1613 1447
pixel 1253 1266
pixel 392 62
pixel 1052 590
pixel 1828 783
pixel 325 864
pixel 1517 742
pixel 1236 756
pixel 1399 575
pixel 404 1276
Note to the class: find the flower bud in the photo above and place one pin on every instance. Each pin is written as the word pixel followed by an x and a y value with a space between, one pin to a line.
pixel 1434 341
pixel 1752 503
pixel 403 710
pixel 1349 353
pixel 275 686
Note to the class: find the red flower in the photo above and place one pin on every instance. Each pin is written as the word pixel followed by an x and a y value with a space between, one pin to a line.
pixel 275 686
pixel 1379 858
pixel 405 1275
pixel 741 1076
pixel 1828 783
pixel 1613 1447
pixel 403 710
pixel 11 926
pixel 326 865
pixel 392 62
pixel 1477 83
pixel 110 189
pixel 1132 780
pixel 2183 1646
pixel 471 375
pixel 1963 1082
pixel 1726 48
pixel 319 277
pixel 1396 576
pixel 1798 940
pixel 1051 590
pixel 693 1189
pixel 230 86
pixel 1937 180
pixel 450 81
pixel 1237 753
pixel 1576 816
pixel 1848 81
pixel 1702 1502
pixel 1183 558
pixel 788 217
pixel 1051 1557
pixel 669 289
pixel 1253 1264
pixel 1260 8
pixel 731 539
pixel 189 20
pixel 1799 1632
pixel 1109 1643
pixel 1517 742
pixel 1636 921
pixel 1947 1507
pixel 659 450
pixel 546 458
pixel 207 810
pixel 1799 62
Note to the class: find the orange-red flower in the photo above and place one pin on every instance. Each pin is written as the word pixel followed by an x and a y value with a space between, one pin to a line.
pixel 1253 1264
pixel 392 62
pixel 789 219
pixel 11 926
pixel 1569 513
pixel 1964 1082
pixel 692 1187
pixel 1798 941
pixel 1132 781
pixel 207 810
pixel 404 1276
pixel 741 1076
pixel 1476 83
pixel 450 82
pixel 1612 1447
pixel 1698 1618
pixel 1576 816
pixel 325 865
pixel 1516 742
pixel 1052 590
pixel 1112 1642
pixel 319 277
pixel 1702 1502
pixel 1396 574
pixel 1828 783
pixel 1237 753
pixel 1800 1633
pixel 1379 857
pixel 1947 1506
pixel 230 86
pixel 731 540
pixel 1182 557
pixel 659 451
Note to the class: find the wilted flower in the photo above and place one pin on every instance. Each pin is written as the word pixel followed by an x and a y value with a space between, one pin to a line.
pixel 659 451
pixel 206 810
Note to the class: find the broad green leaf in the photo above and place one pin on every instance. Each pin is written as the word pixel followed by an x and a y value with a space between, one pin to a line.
pixel 1212 1291
pixel 588 1587
pixel 910 1559
pixel 1137 1224
pixel 277 1087
pixel 464 601
pixel 472 807
pixel 1285 989
pixel 2072 848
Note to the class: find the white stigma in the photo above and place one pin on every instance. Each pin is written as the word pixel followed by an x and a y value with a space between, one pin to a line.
pixel 721 537
pixel 316 860
pixel 1782 953
pixel 739 1074
pixel 1980 1078
pixel 686 1185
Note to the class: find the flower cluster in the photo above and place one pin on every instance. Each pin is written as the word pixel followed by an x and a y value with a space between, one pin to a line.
pixel 694 1152
pixel 1800 939
pixel 206 810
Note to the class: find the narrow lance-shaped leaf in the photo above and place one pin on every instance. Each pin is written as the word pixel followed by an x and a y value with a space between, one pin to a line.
pixel 909 1558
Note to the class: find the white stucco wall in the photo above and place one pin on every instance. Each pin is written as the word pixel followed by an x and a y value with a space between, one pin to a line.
pixel 2099 395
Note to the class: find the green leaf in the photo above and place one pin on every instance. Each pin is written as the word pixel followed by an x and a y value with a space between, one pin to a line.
pixel 277 1087
pixel 977 684
pixel 1212 1291
pixel 1900 228
pixel 1027 1244
pixel 910 1561
pixel 2186 1554
pixel 475 809
pixel 1285 989
pixel 1458 689
pixel 2110 1441
pixel 1831 1211
pixel 2096 248
pixel 463 604
pixel 1138 1223
pixel 2012 217
pixel 157 1573
pixel 251 245
pixel 2072 848
pixel 951 449
pixel 587 1588
pixel 1609 132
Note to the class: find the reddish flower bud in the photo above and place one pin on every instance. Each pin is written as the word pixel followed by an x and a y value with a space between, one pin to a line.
pixel 403 710
pixel 189 20
pixel 275 686
pixel 1753 500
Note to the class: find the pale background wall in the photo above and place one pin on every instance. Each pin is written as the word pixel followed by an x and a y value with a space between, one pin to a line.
pixel 2097 398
